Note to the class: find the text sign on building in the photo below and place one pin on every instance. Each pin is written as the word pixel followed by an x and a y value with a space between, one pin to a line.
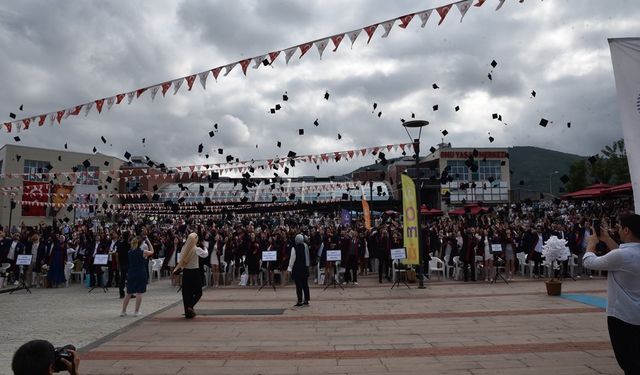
pixel 466 154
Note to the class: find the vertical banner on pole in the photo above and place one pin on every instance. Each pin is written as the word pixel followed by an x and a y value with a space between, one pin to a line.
pixel 410 220
pixel 367 214
pixel 625 56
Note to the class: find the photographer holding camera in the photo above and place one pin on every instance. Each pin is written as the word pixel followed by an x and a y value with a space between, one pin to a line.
pixel 39 357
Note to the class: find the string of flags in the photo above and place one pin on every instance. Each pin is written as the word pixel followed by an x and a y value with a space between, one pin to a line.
pixel 267 59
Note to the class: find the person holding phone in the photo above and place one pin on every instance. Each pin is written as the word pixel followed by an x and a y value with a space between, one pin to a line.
pixel 137 273
pixel 623 288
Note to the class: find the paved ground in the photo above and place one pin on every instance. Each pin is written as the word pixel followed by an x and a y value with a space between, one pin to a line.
pixel 449 328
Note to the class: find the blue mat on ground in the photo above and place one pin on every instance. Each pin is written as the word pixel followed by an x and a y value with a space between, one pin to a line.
pixel 596 301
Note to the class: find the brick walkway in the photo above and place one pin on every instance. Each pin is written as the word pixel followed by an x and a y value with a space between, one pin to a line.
pixel 449 328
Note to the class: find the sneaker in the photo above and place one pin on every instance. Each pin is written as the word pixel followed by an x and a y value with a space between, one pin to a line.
pixel 189 313
pixel 305 303
pixel 124 313
pixel 591 276
pixel 137 313
pixel 355 283
pixel 299 304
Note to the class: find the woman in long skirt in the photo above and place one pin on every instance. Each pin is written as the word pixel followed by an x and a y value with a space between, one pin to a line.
pixel 137 274
pixel 191 278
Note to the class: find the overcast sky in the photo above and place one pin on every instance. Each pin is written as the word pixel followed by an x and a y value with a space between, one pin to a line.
pixel 63 53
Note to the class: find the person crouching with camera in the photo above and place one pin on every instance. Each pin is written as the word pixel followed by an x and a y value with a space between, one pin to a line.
pixel 39 357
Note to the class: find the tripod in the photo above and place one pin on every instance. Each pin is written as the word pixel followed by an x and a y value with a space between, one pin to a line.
pixel 21 284
pixel 497 261
pixel 98 281
pixel 333 279
pixel 397 282
pixel 269 277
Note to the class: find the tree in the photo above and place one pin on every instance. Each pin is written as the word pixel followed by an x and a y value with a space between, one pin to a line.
pixel 612 167
pixel 577 176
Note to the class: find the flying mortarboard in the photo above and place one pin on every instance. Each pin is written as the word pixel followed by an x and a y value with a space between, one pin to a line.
pixel 300 131
pixel 432 149
pixel 229 158
pixel 200 148
pixel 491 139
pixel 285 97
pixel 457 108
pixel 104 140
pixel 316 123
pixel 211 134
pixel 326 95
pixel 220 151
pixel 278 107
pixel 445 132
pixel 564 178
pixel 106 163
pixel 345 196
pixel 272 110
pixel 59 158
pixel 127 155
pixel 435 86
pixel 86 163
pixel 544 122
pixel 592 159
pixel 16 138
pixel 435 107
pixel 494 63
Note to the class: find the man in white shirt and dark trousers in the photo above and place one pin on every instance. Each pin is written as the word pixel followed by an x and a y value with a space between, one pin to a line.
pixel 623 289
pixel 299 269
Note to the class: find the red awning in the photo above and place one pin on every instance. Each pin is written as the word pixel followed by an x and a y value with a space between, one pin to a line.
pixel 430 211
pixel 619 189
pixel 593 191
pixel 472 209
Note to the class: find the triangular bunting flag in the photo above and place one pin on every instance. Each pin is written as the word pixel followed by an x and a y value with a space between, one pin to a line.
pixel 336 39
pixel 52 118
pixel 304 48
pixel 190 79
pixel 110 101
pixel 273 56
pixel 388 25
pixel 42 120
pixel 479 3
pixel 59 115
pixel 245 64
pixel 87 108
pixel 75 111
pixel 140 92
pixel 370 30
pixel 463 7
pixel 424 17
pixel 130 96
pixel 500 4
pixel 443 11
pixel 154 91
pixel 99 104
pixel 257 61
pixel 321 45
pixel 8 125
pixel 203 79
pixel 404 20
pixel 119 98
pixel 165 87
pixel 176 85
pixel 229 68
pixel 353 35
pixel 288 53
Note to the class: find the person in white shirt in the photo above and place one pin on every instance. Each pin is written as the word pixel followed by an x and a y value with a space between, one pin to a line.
pixel 299 269
pixel 191 278
pixel 623 289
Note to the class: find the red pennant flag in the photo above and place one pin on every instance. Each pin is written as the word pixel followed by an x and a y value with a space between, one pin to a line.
pixel 26 123
pixel 389 147
pixel 190 80
pixel 350 153
pixel 337 156
pixel 370 30
pixel 42 119
pixel 402 146
pixel 99 104
pixel 139 92
pixel 59 115
pixel 304 48
pixel 119 98
pixel 244 64
pixel 76 110
pixel 273 56
pixel 404 20
pixel 216 72
pixel 443 11
pixel 165 87
pixel 8 125
pixel 336 39
pixel 364 151
pixel 479 3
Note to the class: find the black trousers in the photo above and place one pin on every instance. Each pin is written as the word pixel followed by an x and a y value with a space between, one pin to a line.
pixel 383 268
pixel 469 266
pixel 349 269
pixel 124 270
pixel 625 339
pixel 536 257
pixel 191 287
pixel 302 286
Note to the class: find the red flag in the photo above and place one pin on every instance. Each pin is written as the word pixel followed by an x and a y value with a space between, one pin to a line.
pixel 42 119
pixel 99 104
pixel 139 92
pixel 76 110
pixel 190 80
pixel 304 48
pixel 244 64
pixel 119 98
pixel 350 153
pixel 59 115
pixel 336 39
pixel 404 20
pixel 370 30
pixel 273 56
pixel 443 11
pixel 479 3
pixel 337 156
pixel 216 72
pixel 364 151
pixel 26 123
pixel 8 125
pixel 165 87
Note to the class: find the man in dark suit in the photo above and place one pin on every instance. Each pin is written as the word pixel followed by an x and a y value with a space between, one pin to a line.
pixel 468 254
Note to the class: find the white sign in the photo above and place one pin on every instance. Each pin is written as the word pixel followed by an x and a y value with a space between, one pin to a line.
pixel 334 255
pixel 101 259
pixel 269 256
pixel 398 254
pixel 496 248
pixel 24 260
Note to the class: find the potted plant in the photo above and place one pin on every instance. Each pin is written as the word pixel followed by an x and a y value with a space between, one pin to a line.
pixel 554 251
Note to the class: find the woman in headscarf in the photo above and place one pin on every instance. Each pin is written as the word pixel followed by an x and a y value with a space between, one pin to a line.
pixel 191 278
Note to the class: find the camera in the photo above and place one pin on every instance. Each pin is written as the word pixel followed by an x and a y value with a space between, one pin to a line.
pixel 63 353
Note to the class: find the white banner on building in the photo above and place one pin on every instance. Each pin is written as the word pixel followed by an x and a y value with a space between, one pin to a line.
pixel 625 55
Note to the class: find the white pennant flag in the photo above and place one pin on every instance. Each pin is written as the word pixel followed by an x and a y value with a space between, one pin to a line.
pixel 321 45
pixel 87 108
pixel 130 96
pixel 463 7
pixel 353 35
pixel 52 118
pixel 288 53
pixel 110 102
pixel 424 17
pixel 229 68
pixel 154 91
pixel 625 56
pixel 176 85
pixel 500 5
pixel 257 61
pixel 387 27
pixel 203 79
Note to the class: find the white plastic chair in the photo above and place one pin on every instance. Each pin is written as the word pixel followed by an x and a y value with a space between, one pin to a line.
pixel 448 268
pixel 436 265
pixel 457 268
pixel 522 261
pixel 573 264
pixel 478 261
pixel 67 272
pixel 155 268
pixel 80 273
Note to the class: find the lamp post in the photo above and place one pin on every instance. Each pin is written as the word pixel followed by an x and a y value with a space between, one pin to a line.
pixel 551 175
pixel 416 146
pixel 12 205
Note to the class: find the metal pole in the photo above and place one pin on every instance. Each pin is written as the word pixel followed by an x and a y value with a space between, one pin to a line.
pixel 416 147
pixel 11 206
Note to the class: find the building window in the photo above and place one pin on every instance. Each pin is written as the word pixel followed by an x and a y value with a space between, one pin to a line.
pixel 458 170
pixel 87 176
pixel 489 168
pixel 33 170
pixel 132 185
pixel 486 169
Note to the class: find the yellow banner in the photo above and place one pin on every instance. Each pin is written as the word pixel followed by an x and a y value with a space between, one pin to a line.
pixel 410 219
pixel 367 214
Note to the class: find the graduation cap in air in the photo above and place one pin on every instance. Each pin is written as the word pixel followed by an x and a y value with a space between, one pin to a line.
pixel 432 149
pixel 339 136
pixel 286 170
pixel 503 163
pixel 491 179
pixel 491 139
pixel 99 187
pixel 564 178
pixel 220 151
pixel 59 158
pixel 278 107
pixel 75 169
pixel 127 155
pixel 103 139
pixel 435 107
pixel 143 140
pixel 201 189
pixel 326 95
pixel 279 144
pixel 345 196
pixel 544 122
pixel 211 134
pixel 375 105
pixel 200 148
pixel 244 199
pixel 109 179
pixel 292 196
pixel 12 115
pixel 18 157
pixel 181 199
pixel 70 208
pixel 475 152
pixel 300 131
pixel 229 158
pixel 285 97
pixel 272 110
pixel 49 167
pixel 533 93
pixel 291 154
pixel 592 159
pixel 445 132
pixel 316 123
pixel 105 205
pixel 211 184
pixel 86 163
pixel 16 138
pixel 379 114
pixel 95 149
pixel 65 146
pixel 435 86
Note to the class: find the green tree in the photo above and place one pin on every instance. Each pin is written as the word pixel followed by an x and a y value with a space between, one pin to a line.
pixel 611 166
pixel 578 174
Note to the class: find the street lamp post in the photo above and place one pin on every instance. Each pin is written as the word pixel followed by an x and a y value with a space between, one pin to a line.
pixel 551 175
pixel 416 146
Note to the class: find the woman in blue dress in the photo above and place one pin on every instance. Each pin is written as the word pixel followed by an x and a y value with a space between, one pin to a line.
pixel 137 276
pixel 57 261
